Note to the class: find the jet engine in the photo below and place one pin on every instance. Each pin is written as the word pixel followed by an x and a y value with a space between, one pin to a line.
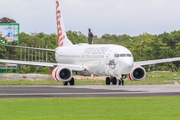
pixel 137 73
pixel 62 74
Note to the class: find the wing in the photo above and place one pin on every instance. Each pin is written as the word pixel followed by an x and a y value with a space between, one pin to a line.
pixel 33 48
pixel 149 62
pixel 72 67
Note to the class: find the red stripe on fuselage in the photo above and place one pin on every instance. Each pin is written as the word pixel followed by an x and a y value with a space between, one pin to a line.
pixel 56 49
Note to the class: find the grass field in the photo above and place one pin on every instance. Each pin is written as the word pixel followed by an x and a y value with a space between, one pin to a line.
pixel 152 78
pixel 153 108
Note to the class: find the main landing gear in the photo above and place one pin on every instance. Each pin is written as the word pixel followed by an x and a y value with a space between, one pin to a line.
pixel 71 82
pixel 121 82
pixel 114 81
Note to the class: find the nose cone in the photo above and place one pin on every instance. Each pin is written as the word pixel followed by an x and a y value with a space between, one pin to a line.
pixel 126 65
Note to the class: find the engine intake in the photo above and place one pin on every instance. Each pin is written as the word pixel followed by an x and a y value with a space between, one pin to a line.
pixel 137 73
pixel 62 74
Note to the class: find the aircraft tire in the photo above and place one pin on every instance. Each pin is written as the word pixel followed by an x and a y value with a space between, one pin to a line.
pixel 72 82
pixel 114 81
pixel 108 81
pixel 120 82
pixel 65 83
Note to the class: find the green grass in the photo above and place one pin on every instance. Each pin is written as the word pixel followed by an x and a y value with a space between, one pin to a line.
pixel 152 78
pixel 158 78
pixel 153 108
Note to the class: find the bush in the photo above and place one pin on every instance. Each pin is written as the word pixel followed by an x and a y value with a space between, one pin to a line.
pixel 25 70
pixel 10 71
pixel 33 69
pixel 45 70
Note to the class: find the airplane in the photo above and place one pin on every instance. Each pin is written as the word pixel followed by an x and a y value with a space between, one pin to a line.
pixel 112 61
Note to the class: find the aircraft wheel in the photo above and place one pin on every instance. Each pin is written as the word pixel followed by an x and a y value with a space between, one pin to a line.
pixel 65 83
pixel 123 82
pixel 108 81
pixel 114 81
pixel 72 81
pixel 120 82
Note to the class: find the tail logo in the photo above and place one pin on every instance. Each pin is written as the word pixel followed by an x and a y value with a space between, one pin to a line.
pixel 61 37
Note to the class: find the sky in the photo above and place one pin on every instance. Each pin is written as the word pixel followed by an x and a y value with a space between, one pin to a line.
pixel 131 17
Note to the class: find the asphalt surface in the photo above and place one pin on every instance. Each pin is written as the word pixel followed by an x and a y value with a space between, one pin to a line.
pixel 89 91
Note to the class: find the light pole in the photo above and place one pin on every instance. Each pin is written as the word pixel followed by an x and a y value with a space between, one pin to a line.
pixel 140 49
pixel 130 40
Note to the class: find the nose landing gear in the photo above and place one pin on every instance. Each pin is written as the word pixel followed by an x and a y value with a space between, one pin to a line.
pixel 121 82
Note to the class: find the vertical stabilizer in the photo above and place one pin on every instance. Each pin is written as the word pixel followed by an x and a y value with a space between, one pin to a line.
pixel 62 37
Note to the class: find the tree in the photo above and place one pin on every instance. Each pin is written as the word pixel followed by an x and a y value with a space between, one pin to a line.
pixel 76 37
pixel 2 48
pixel 166 45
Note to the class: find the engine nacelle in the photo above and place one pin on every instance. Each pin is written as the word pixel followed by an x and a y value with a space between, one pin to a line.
pixel 62 74
pixel 137 73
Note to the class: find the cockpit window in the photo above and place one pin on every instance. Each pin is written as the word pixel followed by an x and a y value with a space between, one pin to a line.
pixel 122 55
pixel 129 55
pixel 116 55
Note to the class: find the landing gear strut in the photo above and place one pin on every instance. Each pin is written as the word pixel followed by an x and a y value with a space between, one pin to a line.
pixel 71 82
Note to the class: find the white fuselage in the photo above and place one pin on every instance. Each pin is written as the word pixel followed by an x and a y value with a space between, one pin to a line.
pixel 100 60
